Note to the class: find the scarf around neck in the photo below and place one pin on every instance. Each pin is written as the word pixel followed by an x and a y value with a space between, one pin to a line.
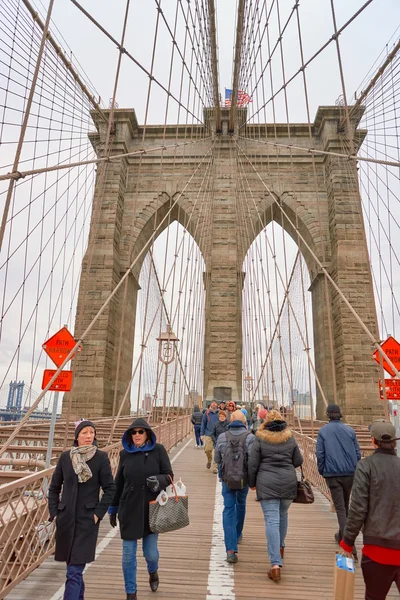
pixel 79 457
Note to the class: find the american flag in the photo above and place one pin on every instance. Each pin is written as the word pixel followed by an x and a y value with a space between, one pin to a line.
pixel 228 97
pixel 243 98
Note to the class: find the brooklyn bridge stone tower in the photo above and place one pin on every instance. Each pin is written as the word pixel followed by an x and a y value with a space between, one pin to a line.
pixel 329 220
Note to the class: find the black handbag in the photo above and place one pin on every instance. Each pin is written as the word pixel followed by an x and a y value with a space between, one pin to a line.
pixel 305 495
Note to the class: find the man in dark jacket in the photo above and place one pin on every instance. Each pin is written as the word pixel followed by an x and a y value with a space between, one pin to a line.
pixel 144 470
pixel 210 417
pixel 375 508
pixel 234 500
pixel 337 455
pixel 196 419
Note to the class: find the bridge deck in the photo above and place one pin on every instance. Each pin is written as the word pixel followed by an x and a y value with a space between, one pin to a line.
pixel 192 564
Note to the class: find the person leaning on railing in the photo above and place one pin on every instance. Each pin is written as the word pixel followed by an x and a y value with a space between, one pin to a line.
pixel 80 473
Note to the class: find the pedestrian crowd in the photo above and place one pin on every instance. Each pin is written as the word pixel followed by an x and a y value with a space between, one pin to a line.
pixel 247 452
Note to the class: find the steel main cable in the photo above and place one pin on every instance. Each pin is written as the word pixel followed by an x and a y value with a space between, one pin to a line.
pixel 83 336
pixel 310 60
pixel 160 305
pixel 278 272
pixel 277 322
pixel 323 269
pixel 192 81
pixel 124 51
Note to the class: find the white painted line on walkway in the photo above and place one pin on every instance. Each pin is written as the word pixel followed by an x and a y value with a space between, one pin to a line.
pixel 110 535
pixel 221 579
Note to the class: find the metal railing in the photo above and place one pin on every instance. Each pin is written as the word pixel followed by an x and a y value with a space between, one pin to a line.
pixel 308 449
pixel 26 536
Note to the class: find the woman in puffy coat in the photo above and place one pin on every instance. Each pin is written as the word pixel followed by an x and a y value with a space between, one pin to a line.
pixel 272 472
pixel 144 470
pixel 78 477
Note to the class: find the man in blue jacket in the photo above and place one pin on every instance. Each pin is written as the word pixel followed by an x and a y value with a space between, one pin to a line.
pixel 338 453
pixel 210 417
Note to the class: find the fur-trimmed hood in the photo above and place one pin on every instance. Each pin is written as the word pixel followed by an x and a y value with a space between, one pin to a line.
pixel 273 437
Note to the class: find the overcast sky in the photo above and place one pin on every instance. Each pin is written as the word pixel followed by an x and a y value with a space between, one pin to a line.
pixel 361 43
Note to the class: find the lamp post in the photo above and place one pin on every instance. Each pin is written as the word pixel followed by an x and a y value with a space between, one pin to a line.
pixel 166 354
pixel 248 384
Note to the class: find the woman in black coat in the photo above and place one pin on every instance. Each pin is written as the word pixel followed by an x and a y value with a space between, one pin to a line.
pixel 144 470
pixel 272 472
pixel 80 473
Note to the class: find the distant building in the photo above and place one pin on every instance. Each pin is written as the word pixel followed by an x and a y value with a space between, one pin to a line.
pixel 192 399
pixel 147 402
pixel 303 404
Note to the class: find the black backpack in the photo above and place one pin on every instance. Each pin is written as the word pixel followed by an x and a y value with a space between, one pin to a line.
pixel 234 472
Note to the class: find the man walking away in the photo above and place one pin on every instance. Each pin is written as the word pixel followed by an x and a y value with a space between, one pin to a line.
pixel 231 454
pixel 196 419
pixel 337 455
pixel 220 426
pixel 210 417
pixel 375 508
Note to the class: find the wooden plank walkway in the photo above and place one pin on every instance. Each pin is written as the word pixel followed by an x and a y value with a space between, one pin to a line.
pixel 192 561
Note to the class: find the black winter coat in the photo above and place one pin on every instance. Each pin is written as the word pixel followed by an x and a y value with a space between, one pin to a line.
pixel 76 533
pixel 218 428
pixel 272 464
pixel 132 496
pixel 197 417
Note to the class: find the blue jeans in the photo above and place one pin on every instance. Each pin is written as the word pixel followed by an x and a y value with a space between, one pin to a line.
pixel 197 429
pixel 276 525
pixel 129 563
pixel 233 515
pixel 74 585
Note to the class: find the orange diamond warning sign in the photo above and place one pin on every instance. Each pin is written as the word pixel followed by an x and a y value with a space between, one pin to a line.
pixel 392 389
pixel 63 382
pixel 59 346
pixel 391 347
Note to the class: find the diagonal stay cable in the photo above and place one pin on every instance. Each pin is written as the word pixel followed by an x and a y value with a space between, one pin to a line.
pixel 309 61
pixel 350 156
pixel 102 308
pixel 123 50
pixel 323 269
pixel 21 174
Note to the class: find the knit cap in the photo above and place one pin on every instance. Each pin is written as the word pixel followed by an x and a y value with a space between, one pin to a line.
pixel 262 413
pixel 79 425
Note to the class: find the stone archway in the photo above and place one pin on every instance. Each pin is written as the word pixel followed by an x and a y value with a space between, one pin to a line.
pixel 319 195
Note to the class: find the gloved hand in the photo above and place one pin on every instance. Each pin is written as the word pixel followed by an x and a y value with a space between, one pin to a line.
pixel 113 520
pixel 152 483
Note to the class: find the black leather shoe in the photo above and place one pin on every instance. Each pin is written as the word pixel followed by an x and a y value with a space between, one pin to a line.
pixel 154 581
pixel 131 596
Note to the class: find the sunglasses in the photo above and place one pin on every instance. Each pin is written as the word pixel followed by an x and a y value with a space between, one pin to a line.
pixel 139 431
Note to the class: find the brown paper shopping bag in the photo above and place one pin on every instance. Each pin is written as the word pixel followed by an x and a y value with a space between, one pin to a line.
pixel 344 578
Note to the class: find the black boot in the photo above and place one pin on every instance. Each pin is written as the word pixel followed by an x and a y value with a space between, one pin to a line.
pixel 131 596
pixel 154 581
